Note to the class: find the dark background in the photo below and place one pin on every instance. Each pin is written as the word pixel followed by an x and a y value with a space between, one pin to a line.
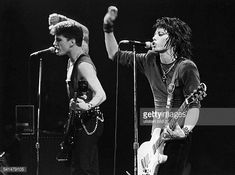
pixel 24 29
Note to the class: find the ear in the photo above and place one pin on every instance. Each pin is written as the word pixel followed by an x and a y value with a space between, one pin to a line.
pixel 73 42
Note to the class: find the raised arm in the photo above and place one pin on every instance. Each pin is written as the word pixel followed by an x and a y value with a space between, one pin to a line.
pixel 110 40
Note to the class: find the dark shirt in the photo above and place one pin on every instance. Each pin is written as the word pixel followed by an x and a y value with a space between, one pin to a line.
pixel 77 83
pixel 149 64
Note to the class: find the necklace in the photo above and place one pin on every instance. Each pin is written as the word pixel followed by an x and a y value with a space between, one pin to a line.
pixel 166 72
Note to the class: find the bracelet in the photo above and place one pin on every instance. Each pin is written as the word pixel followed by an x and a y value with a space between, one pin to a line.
pixel 186 131
pixel 108 28
pixel 89 105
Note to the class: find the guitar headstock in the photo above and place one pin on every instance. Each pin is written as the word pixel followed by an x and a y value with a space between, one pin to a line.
pixel 197 95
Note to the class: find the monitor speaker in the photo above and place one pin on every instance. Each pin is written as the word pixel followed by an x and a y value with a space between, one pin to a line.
pixel 48 164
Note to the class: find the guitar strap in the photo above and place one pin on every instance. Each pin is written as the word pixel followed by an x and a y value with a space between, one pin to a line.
pixel 171 88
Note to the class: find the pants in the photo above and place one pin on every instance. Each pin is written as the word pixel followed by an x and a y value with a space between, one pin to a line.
pixel 85 152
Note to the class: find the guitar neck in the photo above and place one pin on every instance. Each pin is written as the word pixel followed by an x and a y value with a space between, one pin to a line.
pixel 174 119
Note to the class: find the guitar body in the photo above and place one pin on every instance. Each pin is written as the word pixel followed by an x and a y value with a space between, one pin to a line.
pixel 66 145
pixel 149 159
pixel 74 122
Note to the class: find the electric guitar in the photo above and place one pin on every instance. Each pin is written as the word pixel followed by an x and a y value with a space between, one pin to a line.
pixel 150 153
pixel 76 121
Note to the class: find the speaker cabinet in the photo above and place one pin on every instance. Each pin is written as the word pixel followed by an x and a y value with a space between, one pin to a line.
pixel 24 115
pixel 48 165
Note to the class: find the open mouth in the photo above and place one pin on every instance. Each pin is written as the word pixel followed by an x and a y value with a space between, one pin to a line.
pixel 154 45
pixel 56 50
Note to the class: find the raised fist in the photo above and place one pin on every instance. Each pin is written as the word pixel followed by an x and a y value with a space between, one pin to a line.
pixel 55 18
pixel 111 15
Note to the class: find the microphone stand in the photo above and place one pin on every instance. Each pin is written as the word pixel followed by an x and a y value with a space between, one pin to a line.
pixel 37 145
pixel 135 144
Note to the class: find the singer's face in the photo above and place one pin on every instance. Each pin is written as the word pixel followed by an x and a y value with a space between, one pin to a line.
pixel 160 39
pixel 61 45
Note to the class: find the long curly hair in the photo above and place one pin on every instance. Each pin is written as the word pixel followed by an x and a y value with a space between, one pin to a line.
pixel 179 35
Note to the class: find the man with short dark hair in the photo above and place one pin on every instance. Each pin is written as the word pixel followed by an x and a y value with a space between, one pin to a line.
pixel 84 90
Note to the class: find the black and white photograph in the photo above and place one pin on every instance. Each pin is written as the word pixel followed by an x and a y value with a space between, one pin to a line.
pixel 117 87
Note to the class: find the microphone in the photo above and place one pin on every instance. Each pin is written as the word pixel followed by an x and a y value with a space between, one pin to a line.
pixel 147 44
pixel 48 50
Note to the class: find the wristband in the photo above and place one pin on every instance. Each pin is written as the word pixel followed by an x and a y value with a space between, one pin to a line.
pixel 108 28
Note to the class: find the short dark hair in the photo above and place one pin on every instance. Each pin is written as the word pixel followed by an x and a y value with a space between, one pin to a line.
pixel 179 35
pixel 68 29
